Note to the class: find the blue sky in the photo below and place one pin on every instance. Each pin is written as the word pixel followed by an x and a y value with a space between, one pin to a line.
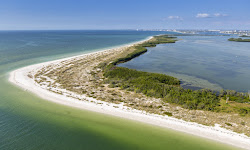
pixel 124 14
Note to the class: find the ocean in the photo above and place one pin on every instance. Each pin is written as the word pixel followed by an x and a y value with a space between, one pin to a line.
pixel 28 122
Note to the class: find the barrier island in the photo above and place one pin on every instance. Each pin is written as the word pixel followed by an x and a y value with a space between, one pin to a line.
pixel 150 92
pixel 94 82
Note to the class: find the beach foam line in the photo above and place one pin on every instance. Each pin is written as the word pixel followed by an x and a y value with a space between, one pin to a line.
pixel 20 78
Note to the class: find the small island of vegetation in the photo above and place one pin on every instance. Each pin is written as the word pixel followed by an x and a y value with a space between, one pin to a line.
pixel 239 40
pixel 245 36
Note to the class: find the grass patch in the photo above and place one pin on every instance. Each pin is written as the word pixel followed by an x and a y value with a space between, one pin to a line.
pixel 239 40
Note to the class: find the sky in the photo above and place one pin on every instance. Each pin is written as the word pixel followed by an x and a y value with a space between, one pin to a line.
pixel 124 14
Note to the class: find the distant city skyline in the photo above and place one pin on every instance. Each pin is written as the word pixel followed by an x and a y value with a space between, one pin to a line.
pixel 129 14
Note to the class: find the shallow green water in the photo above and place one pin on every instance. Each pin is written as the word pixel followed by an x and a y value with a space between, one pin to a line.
pixel 28 122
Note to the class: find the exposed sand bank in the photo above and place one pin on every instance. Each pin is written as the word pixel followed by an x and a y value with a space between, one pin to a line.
pixel 20 78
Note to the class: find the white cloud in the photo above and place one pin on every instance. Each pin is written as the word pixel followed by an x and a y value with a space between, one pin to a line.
pixel 174 17
pixel 202 15
pixel 220 15
pixel 206 15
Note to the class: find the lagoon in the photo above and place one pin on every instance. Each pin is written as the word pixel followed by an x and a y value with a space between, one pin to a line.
pixel 210 62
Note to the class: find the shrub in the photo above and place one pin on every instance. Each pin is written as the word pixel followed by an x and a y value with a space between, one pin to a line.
pixel 243 111
pixel 168 114
pixel 228 124
pixel 243 123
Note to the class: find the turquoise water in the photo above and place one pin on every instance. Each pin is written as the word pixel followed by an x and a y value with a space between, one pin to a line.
pixel 28 122
pixel 200 61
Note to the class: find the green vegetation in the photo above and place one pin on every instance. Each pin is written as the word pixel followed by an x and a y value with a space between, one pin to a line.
pixel 161 86
pixel 244 36
pixel 132 76
pixel 168 114
pixel 243 123
pixel 140 49
pixel 239 102
pixel 228 124
pixel 239 40
pixel 244 111
pixel 168 88
pixel 235 96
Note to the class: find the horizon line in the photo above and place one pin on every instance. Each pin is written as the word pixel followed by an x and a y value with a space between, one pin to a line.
pixel 109 29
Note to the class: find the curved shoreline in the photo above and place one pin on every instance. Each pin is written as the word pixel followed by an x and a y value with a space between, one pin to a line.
pixel 19 77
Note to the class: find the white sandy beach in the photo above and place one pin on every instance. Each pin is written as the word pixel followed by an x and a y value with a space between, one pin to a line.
pixel 19 77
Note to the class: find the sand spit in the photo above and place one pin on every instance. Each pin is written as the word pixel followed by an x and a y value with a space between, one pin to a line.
pixel 21 78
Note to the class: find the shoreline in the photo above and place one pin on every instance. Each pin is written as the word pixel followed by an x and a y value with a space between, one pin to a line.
pixel 19 77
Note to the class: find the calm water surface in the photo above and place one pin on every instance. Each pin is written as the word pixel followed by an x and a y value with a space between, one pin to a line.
pixel 200 61
pixel 28 122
